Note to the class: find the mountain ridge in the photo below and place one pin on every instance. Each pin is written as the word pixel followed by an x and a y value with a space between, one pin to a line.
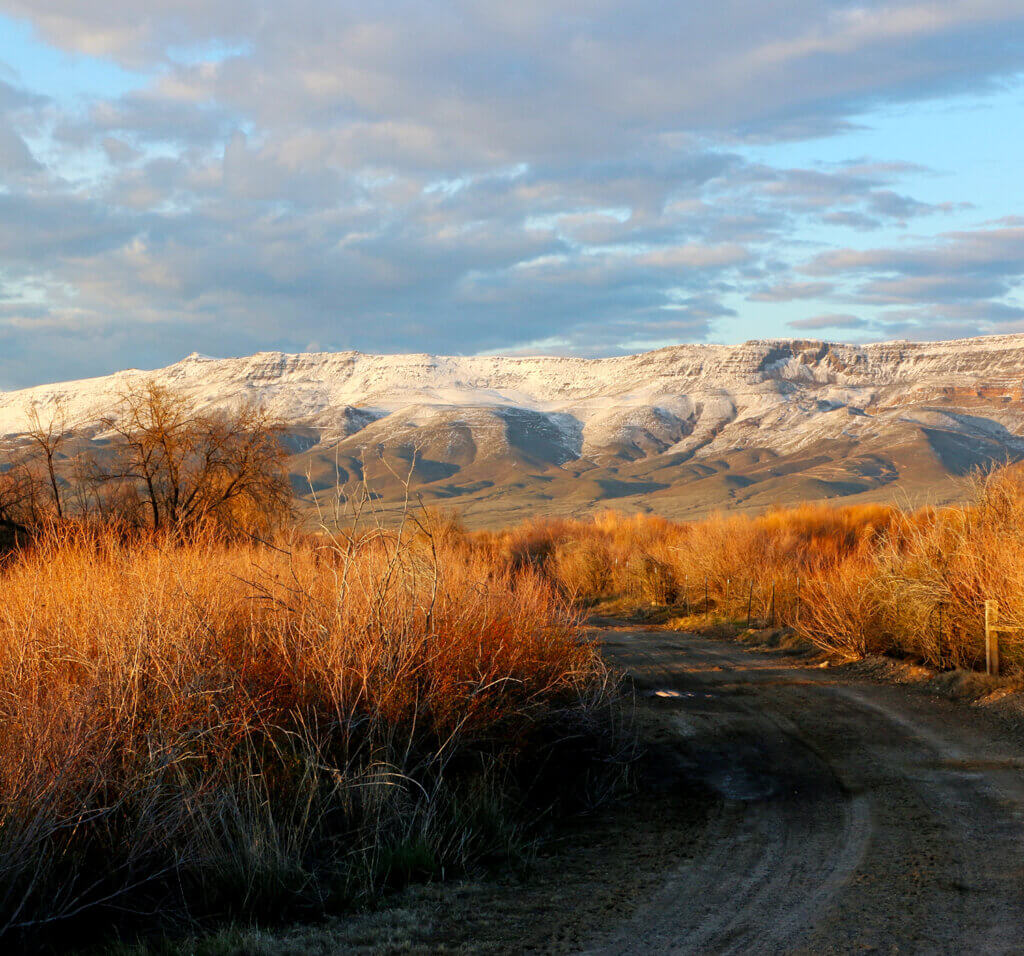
pixel 675 430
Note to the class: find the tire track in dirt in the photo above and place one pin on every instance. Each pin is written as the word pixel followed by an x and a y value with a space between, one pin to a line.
pixel 852 816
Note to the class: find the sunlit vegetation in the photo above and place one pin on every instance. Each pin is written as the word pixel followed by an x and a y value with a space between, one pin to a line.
pixel 156 462
pixel 207 716
pixel 204 719
pixel 853 580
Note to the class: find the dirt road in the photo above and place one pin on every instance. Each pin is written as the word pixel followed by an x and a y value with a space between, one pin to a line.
pixel 851 816
pixel 783 808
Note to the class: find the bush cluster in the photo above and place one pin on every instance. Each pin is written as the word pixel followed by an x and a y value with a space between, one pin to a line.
pixel 852 579
pixel 194 726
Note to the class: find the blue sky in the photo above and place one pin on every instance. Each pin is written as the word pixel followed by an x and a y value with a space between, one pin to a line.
pixel 591 178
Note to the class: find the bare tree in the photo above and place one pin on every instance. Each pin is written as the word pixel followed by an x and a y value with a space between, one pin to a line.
pixel 16 500
pixel 185 466
pixel 48 433
pixel 23 491
pixel 167 466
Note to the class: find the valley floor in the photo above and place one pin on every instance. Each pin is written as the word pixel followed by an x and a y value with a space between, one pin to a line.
pixel 784 807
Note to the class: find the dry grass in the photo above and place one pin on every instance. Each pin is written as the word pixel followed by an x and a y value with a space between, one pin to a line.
pixel 655 561
pixel 212 728
pixel 853 580
pixel 208 728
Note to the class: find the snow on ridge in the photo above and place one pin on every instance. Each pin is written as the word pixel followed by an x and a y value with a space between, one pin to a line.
pixel 314 388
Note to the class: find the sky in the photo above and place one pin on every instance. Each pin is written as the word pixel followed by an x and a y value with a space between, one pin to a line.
pixel 479 176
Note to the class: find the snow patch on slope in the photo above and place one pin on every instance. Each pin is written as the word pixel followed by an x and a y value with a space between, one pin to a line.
pixel 696 399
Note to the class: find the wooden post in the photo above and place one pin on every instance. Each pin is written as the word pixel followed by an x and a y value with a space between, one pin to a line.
pixel 686 598
pixel 796 617
pixel 773 604
pixel 728 581
pixel 750 601
pixel 705 597
pixel 991 638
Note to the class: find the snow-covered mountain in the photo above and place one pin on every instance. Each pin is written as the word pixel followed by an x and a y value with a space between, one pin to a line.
pixel 673 430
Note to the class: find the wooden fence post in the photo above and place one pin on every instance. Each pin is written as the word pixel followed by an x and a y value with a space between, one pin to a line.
pixel 991 638
pixel 773 605
pixel 728 581
pixel 705 597
pixel 750 601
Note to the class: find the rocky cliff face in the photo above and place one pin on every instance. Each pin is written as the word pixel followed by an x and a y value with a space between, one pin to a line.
pixel 692 426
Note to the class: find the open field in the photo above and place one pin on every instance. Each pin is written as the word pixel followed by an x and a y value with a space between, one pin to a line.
pixel 511 478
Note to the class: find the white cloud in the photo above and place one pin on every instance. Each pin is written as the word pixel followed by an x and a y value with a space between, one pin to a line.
pixel 471 174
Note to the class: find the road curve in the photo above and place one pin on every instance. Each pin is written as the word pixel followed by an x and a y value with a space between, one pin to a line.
pixel 851 816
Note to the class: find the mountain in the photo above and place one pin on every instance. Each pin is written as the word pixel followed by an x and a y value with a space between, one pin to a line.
pixel 679 431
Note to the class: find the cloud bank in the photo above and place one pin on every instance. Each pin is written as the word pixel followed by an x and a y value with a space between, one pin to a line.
pixel 481 176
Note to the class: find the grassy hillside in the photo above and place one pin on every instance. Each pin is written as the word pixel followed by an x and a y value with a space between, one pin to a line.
pixel 502 492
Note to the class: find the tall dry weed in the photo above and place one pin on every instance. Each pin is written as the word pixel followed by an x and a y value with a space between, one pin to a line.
pixel 209 728
pixel 852 579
